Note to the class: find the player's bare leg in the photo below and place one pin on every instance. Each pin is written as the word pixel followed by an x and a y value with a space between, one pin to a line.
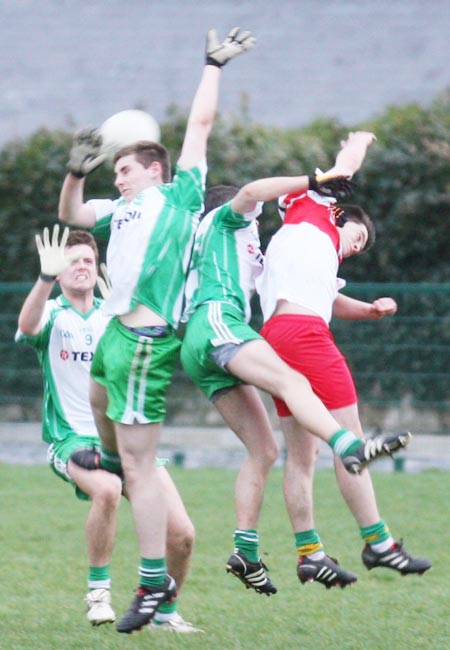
pixel 258 364
pixel 137 445
pixel 381 549
pixel 242 409
pixel 357 491
pixel 104 489
pixel 180 531
pixel 180 543
pixel 313 563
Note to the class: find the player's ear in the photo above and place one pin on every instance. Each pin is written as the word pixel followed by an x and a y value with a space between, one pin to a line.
pixel 156 169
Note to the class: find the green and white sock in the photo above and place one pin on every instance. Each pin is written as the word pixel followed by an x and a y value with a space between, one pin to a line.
pixel 247 541
pixel 153 573
pixel 378 536
pixel 308 544
pixel 99 578
pixel 344 442
pixel 165 612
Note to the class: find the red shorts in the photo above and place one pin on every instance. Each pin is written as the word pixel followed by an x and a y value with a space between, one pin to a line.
pixel 306 344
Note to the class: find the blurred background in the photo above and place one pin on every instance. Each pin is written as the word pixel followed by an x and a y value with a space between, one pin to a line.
pixel 318 70
pixel 66 64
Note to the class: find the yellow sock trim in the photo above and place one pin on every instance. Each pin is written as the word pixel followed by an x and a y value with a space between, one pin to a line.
pixel 309 549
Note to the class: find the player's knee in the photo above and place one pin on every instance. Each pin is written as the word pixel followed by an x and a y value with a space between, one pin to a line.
pixel 272 452
pixel 109 492
pixel 267 454
pixel 181 542
pixel 137 470
pixel 300 467
pixel 188 538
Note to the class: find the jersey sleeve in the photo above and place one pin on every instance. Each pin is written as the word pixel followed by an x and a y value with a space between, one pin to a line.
pixel 104 209
pixel 40 341
pixel 187 190
pixel 233 220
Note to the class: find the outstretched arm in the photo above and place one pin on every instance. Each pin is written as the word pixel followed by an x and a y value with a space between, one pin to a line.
pixel 331 183
pixel 85 156
pixel 267 189
pixel 204 105
pixel 33 308
pixel 53 262
pixel 201 118
pixel 352 153
pixel 348 308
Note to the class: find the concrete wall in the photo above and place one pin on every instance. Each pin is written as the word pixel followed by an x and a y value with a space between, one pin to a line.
pixel 66 64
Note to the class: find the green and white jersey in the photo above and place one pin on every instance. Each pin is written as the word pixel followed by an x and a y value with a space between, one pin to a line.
pixel 65 347
pixel 226 260
pixel 150 243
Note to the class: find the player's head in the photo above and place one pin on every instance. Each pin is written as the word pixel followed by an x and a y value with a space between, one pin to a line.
pixel 77 237
pixel 139 166
pixel 80 277
pixel 358 230
pixel 218 195
pixel 146 153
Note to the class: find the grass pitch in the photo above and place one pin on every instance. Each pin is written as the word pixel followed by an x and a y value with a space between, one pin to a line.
pixel 43 570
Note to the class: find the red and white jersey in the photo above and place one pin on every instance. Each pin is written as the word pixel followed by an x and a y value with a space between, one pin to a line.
pixel 303 257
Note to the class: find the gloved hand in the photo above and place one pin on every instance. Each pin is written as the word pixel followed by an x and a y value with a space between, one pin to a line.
pixel 52 255
pixel 104 284
pixel 339 187
pixel 85 154
pixel 235 43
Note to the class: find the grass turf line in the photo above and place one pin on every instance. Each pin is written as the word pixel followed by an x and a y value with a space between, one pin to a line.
pixel 41 606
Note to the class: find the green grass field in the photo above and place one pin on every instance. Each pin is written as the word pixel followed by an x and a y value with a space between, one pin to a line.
pixel 43 570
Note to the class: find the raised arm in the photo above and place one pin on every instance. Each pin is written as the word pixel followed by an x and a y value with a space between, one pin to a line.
pixel 204 105
pixel 85 156
pixel 71 209
pixel 352 153
pixel 33 308
pixel 53 262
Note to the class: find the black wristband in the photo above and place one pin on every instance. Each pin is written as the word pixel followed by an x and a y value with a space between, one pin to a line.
pixel 312 182
pixel 211 61
pixel 76 175
pixel 47 278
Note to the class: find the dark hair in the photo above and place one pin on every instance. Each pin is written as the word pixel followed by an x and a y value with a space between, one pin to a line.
pixel 77 237
pixel 218 195
pixel 356 213
pixel 147 152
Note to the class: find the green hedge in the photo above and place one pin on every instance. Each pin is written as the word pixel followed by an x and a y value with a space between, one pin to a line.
pixel 406 355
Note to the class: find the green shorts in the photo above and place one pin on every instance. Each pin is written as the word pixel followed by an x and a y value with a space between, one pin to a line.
pixel 212 326
pixel 136 372
pixel 58 455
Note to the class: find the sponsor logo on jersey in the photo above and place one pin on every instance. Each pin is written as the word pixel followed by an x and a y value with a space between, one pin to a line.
pixel 76 355
pixel 126 217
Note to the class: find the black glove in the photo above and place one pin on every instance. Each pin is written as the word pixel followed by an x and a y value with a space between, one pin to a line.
pixel 338 187
pixel 85 155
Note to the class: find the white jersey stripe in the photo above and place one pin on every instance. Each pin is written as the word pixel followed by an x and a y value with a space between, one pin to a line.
pixel 130 413
pixel 143 377
pixel 224 334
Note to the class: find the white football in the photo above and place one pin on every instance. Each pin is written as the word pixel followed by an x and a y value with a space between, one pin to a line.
pixel 125 128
